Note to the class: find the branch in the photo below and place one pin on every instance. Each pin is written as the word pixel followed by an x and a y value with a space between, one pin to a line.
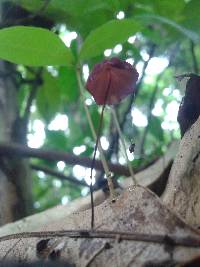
pixel 35 84
pixel 24 151
pixel 171 240
pixel 58 174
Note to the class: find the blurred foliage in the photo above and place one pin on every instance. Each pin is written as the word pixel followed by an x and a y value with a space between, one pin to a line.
pixel 162 32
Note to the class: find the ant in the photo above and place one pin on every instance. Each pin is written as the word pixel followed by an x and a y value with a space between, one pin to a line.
pixel 132 147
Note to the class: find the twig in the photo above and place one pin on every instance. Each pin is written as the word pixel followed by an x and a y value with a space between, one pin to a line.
pixel 188 241
pixel 123 145
pixel 36 82
pixel 13 149
pixel 58 175
pixel 102 157
pixel 94 157
pixel 97 145
pixel 93 162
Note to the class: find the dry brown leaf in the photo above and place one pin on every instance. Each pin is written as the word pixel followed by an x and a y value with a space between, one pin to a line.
pixel 137 210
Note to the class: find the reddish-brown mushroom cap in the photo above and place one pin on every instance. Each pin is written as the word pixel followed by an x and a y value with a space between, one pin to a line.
pixel 111 81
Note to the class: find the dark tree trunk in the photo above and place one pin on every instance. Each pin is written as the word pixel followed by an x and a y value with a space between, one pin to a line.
pixel 15 178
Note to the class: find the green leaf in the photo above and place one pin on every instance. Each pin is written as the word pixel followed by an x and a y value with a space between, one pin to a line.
pixel 60 9
pixel 166 8
pixel 191 15
pixel 48 97
pixel 107 36
pixel 68 84
pixel 33 46
pixel 192 10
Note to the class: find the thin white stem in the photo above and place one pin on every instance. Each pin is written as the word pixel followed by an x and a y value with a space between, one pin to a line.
pixel 102 157
pixel 123 144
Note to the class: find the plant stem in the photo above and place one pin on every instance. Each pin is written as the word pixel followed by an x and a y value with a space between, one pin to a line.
pixel 123 145
pixel 97 145
pixel 93 162
pixel 102 157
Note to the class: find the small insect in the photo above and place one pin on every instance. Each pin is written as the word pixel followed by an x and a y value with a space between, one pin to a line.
pixel 132 147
